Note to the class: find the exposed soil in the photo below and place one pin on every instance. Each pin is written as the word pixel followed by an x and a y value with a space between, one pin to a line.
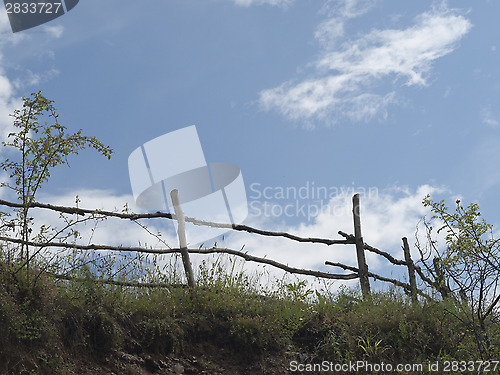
pixel 197 359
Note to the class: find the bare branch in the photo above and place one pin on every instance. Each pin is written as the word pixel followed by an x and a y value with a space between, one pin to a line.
pixel 212 250
pixel 165 215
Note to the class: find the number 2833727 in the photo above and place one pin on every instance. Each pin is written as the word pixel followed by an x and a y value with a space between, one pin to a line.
pixel 40 8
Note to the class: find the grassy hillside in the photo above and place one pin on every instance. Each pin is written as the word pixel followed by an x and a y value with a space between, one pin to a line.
pixel 227 325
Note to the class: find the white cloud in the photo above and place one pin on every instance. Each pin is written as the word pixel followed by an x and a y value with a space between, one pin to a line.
pixel 54 31
pixel 329 31
pixel 339 12
pixel 247 3
pixel 6 34
pixel 488 117
pixel 408 53
pixel 347 9
pixel 31 79
pixel 344 76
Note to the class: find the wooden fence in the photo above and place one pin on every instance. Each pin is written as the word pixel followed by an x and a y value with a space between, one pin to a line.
pixel 361 271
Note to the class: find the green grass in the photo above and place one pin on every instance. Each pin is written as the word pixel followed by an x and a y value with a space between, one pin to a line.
pixel 51 326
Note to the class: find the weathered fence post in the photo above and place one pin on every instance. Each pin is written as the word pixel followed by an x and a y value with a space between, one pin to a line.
pixel 360 251
pixel 181 232
pixel 411 271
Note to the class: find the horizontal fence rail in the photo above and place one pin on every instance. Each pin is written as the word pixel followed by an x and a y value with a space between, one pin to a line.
pixel 211 250
pixel 165 215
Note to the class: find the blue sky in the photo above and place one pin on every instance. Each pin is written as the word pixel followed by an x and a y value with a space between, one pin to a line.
pixel 398 96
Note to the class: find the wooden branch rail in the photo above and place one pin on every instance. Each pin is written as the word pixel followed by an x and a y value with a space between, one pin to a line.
pixel 374 276
pixel 83 211
pixel 412 268
pixel 212 250
pixel 424 277
pixel 165 215
pixel 393 260
pixel 116 282
pixel 388 256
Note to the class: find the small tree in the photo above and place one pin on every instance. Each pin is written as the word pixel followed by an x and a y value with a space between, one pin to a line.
pixel 468 268
pixel 39 147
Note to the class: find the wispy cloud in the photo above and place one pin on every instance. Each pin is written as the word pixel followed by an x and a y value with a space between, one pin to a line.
pixel 54 31
pixel 330 31
pixel 247 3
pixel 345 77
pixel 31 79
pixel 6 34
pixel 488 117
